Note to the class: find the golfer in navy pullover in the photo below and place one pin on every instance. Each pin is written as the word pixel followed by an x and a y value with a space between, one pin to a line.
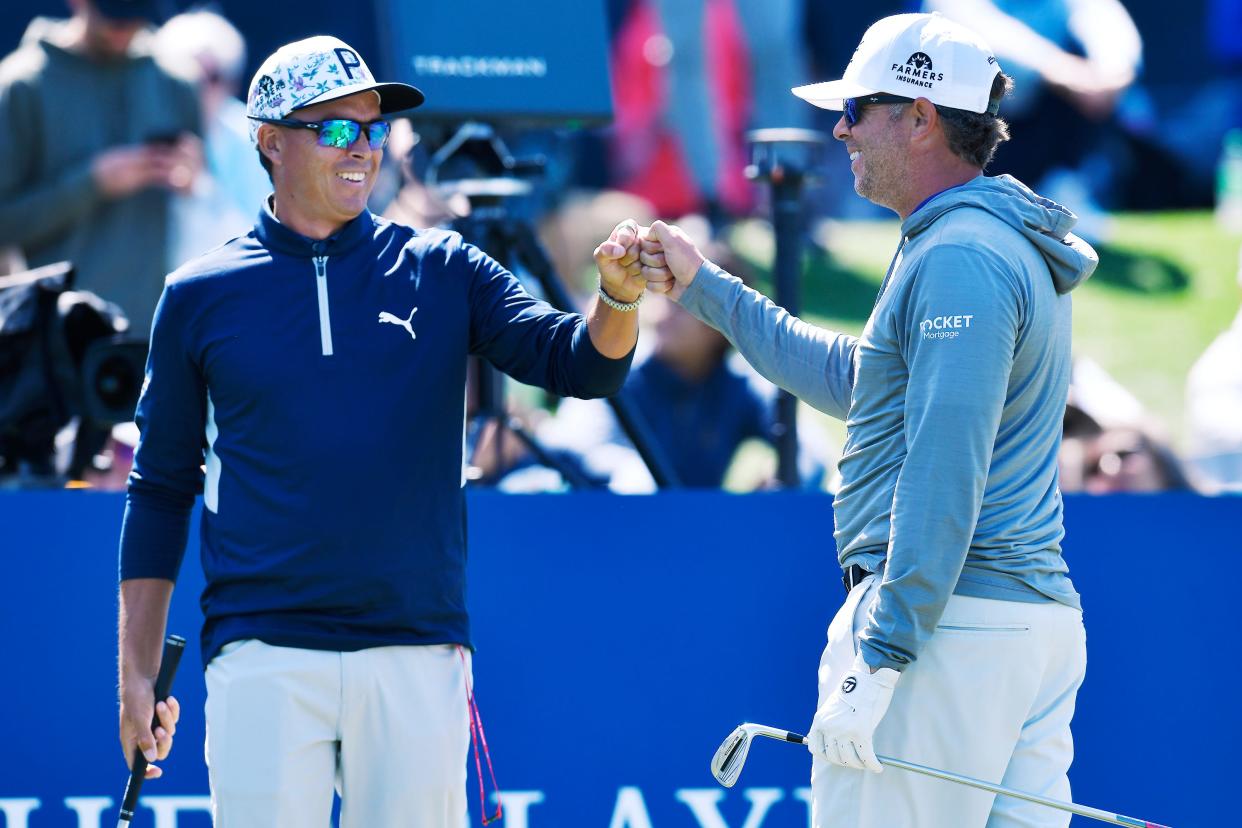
pixel 316 368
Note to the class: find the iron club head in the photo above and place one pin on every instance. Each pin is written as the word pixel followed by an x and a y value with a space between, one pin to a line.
pixel 731 755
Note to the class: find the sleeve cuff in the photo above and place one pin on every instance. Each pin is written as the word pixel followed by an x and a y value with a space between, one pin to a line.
pixel 153 537
pixel 874 657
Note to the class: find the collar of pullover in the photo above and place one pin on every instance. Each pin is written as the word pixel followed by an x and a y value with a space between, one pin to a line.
pixel 279 238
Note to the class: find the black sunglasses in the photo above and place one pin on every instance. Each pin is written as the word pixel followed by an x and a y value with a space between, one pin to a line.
pixel 853 106
pixel 338 132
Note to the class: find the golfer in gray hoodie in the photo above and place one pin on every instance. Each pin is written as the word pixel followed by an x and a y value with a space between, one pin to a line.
pixel 960 644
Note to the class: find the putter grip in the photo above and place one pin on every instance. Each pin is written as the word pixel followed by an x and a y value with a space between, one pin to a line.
pixel 174 646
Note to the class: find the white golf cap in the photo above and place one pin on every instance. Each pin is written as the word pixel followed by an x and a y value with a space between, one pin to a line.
pixel 914 56
pixel 315 70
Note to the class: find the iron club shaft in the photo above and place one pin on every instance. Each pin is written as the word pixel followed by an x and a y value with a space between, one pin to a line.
pixel 1071 807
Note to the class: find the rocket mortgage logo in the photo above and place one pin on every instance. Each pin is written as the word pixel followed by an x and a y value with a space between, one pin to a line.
pixel 945 327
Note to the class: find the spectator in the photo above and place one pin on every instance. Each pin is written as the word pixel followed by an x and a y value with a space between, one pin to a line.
pixel 699 404
pixel 96 134
pixel 771 42
pixel 1063 101
pixel 684 97
pixel 1214 411
pixel 412 202
pixel 1132 459
pixel 1079 431
pixel 1103 399
pixel 224 201
pixel 1109 442
pixel 566 234
pixel 1209 105
pixel 1039 42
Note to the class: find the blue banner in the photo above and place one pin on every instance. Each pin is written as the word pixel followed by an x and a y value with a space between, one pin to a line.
pixel 622 638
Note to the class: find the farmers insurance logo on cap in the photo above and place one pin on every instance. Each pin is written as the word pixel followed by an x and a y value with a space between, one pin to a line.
pixel 316 70
pixel 914 55
pixel 918 70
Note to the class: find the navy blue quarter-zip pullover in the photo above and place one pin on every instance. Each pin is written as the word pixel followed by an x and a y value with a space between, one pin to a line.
pixel 321 383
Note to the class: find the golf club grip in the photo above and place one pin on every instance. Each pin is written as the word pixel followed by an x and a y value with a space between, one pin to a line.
pixel 174 646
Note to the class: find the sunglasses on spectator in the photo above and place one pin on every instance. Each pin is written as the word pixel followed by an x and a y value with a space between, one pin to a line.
pixel 338 132
pixel 853 106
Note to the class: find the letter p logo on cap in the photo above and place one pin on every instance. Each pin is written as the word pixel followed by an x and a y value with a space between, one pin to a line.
pixel 349 62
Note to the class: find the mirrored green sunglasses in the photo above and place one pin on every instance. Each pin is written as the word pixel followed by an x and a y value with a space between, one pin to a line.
pixel 338 132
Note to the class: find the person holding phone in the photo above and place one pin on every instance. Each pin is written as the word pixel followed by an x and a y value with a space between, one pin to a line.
pixel 87 179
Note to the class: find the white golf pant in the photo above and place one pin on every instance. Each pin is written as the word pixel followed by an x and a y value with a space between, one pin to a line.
pixel 990 696
pixel 388 727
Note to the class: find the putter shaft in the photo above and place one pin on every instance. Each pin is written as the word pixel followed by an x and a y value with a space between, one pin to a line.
pixel 1073 808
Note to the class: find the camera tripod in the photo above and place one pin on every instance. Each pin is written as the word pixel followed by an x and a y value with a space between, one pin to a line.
pixel 512 242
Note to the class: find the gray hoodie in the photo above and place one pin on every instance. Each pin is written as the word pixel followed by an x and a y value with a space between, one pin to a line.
pixel 952 397
pixel 58 111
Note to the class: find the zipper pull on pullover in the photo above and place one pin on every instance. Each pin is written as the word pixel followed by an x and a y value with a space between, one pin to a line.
pixel 321 288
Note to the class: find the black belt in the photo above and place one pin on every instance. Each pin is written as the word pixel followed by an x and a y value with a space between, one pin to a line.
pixel 853 576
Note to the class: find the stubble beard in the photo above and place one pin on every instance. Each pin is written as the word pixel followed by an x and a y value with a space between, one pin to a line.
pixel 884 174
pixel 882 179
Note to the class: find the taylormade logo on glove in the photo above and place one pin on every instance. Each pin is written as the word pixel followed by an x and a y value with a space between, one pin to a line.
pixel 844 727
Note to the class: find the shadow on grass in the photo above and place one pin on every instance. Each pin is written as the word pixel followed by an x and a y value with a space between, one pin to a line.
pixel 1139 272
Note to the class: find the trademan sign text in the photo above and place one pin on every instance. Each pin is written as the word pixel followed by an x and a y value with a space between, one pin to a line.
pixel 480 66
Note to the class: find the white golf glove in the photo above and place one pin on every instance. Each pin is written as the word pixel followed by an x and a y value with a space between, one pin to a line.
pixel 844 725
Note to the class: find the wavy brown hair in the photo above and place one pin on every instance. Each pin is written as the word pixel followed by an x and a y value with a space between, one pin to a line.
pixel 974 136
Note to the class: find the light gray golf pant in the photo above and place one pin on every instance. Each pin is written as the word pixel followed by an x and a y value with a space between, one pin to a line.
pixel 387 727
pixel 991 696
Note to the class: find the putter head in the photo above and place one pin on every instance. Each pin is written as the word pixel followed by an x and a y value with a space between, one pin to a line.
pixel 731 756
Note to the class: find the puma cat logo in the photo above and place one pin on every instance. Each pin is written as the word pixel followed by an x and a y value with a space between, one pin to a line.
pixel 385 316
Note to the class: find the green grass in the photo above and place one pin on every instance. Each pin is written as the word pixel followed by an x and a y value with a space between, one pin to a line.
pixel 1164 289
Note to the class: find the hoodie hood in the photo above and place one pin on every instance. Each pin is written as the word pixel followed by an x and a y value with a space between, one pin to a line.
pixel 1043 222
pixel 48 33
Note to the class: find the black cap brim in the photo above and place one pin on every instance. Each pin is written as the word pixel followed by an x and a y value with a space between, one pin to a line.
pixel 398 97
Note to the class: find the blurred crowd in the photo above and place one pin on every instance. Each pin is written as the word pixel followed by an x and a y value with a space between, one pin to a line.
pixel 128 153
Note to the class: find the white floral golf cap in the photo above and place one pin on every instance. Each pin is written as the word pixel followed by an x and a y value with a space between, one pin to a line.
pixel 314 70
pixel 914 56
